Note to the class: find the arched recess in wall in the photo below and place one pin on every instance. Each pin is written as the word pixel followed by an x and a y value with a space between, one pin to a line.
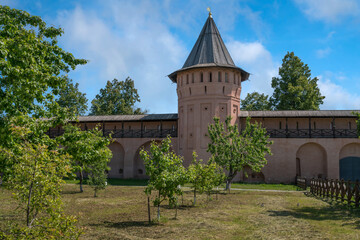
pixel 139 166
pixel 117 161
pixel 252 177
pixel 311 161
pixel 349 162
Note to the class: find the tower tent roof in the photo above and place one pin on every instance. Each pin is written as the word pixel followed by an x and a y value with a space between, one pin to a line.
pixel 209 51
pixel 209 47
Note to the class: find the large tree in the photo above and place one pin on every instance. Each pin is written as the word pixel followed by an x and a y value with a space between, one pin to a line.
pixel 234 151
pixel 32 65
pixel 71 98
pixel 255 102
pixel 294 89
pixel 118 97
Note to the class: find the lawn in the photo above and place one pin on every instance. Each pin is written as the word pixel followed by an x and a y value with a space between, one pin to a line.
pixel 120 212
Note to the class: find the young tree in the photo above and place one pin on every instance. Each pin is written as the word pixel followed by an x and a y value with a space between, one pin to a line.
pixel 71 98
pixel 89 151
pixel 255 102
pixel 36 178
pixel 295 89
pixel 233 150
pixel 204 177
pixel 166 172
pixel 118 97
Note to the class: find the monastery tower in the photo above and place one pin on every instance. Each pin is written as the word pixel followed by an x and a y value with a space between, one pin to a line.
pixel 208 85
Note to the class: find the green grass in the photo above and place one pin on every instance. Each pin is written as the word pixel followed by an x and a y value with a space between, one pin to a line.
pixel 120 212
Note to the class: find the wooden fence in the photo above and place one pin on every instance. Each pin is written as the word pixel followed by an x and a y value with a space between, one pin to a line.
pixel 339 190
pixel 301 183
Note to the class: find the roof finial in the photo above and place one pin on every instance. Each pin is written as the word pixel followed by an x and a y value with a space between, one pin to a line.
pixel 209 10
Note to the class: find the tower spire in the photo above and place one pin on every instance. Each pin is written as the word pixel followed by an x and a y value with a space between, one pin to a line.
pixel 209 10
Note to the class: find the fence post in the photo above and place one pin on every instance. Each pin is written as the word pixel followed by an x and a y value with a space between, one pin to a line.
pixel 349 192
pixel 357 197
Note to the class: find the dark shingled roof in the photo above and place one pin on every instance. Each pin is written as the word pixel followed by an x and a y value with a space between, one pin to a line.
pixel 209 47
pixel 209 51
pixel 118 118
pixel 299 114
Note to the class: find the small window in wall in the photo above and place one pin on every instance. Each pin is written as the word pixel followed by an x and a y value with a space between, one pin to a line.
pixel 219 76
pixel 201 77
pixel 234 78
pixel 115 127
pixel 121 171
pixel 280 125
pixel 314 125
pixel 140 171
pixel 205 89
pixel 226 77
pixel 210 77
pixel 297 125
pixel 190 91
pixel 181 81
pixel 239 82
pixel 350 125
pixel 223 89
pixel 192 78
pixel 187 78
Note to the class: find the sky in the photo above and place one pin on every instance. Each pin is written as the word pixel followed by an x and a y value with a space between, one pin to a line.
pixel 147 40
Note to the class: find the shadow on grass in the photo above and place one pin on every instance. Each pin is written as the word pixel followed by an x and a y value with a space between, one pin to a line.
pixel 334 211
pixel 124 224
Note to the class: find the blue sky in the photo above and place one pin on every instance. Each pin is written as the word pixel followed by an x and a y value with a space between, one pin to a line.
pixel 147 40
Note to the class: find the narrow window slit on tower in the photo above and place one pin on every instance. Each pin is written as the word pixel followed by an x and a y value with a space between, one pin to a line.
pixel 234 78
pixel 192 78
pixel 223 89
pixel 205 89
pixel 201 77
pixel 219 76
pixel 226 77
pixel 187 78
pixel 279 125
pixel 210 77
pixel 190 91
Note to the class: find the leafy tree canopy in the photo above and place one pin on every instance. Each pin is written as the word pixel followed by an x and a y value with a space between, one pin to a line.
pixel 255 102
pixel 294 89
pixel 71 98
pixel 118 97
pixel 233 150
pixel 31 64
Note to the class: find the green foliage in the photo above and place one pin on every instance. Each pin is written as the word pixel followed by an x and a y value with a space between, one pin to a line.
pixel 233 150
pixel 295 89
pixel 31 64
pixel 89 153
pixel 166 172
pixel 36 176
pixel 71 98
pixel 118 97
pixel 255 102
pixel 204 177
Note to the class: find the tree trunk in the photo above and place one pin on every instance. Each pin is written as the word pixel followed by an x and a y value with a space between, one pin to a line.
pixel 149 209
pixel 28 205
pixel 81 180
pixel 158 212
pixel 228 185
pixel 194 197
pixel 95 192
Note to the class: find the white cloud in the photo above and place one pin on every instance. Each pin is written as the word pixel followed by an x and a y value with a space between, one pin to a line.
pixel 321 53
pixel 253 57
pixel 329 10
pixel 131 40
pixel 336 97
